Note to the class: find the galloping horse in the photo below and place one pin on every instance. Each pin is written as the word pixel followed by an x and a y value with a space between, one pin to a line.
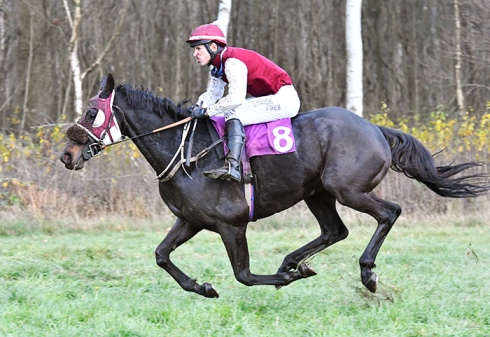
pixel 339 157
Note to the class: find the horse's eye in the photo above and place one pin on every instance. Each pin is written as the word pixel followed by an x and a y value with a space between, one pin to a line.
pixel 93 113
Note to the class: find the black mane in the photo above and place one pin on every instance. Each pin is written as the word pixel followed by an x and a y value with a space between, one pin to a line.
pixel 145 98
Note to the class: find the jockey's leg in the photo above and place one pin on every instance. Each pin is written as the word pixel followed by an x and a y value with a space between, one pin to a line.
pixel 284 104
pixel 235 135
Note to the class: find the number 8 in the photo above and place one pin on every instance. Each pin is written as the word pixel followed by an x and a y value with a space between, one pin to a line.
pixel 281 135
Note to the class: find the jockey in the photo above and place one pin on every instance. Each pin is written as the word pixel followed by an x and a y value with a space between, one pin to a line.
pixel 270 89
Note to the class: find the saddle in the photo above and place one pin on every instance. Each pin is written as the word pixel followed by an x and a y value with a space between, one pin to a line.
pixel 270 138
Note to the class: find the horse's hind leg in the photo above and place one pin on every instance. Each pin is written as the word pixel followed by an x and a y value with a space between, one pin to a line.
pixel 322 205
pixel 385 213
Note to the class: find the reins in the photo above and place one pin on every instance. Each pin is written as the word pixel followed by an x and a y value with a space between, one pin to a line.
pixel 125 139
pixel 166 175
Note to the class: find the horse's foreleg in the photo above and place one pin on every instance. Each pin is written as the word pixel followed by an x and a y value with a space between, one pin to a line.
pixel 322 205
pixel 181 232
pixel 235 241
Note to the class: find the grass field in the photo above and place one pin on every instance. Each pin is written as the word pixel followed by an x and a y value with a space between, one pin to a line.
pixel 434 281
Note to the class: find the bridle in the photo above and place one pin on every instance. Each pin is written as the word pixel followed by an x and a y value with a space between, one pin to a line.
pixel 107 133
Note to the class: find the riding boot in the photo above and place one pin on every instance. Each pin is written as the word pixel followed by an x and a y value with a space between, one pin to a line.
pixel 235 135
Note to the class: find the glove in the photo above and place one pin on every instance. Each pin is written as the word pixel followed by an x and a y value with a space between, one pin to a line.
pixel 198 113
pixel 191 108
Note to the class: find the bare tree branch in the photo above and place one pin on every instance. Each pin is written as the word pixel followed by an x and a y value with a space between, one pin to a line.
pixel 68 13
pixel 122 16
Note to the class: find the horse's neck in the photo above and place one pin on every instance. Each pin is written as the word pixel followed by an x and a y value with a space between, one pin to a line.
pixel 158 148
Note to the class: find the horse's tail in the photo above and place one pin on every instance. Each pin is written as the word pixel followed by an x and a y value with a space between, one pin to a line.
pixel 411 158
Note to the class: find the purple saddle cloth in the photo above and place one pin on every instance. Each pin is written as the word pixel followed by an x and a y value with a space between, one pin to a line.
pixel 274 137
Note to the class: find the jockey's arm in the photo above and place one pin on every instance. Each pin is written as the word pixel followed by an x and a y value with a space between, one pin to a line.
pixel 236 72
pixel 214 92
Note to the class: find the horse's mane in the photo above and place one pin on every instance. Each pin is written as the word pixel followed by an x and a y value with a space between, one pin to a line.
pixel 145 98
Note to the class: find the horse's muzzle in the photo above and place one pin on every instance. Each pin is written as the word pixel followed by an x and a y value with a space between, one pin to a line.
pixel 72 156
pixel 71 164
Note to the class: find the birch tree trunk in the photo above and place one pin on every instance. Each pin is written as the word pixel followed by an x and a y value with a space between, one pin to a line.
pixel 457 65
pixel 353 39
pixel 222 21
pixel 73 51
pixel 223 18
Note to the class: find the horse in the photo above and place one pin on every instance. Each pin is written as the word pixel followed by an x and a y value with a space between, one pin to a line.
pixel 340 157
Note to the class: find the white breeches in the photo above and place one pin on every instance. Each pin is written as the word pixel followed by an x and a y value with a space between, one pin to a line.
pixel 284 104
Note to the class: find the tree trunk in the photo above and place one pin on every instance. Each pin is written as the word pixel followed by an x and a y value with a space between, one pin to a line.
pixel 73 51
pixel 457 65
pixel 28 72
pixel 353 39
pixel 222 20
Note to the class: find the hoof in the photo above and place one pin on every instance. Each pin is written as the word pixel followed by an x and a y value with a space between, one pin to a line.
pixel 305 270
pixel 371 282
pixel 209 291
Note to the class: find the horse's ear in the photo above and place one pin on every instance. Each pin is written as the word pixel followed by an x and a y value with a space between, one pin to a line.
pixel 107 86
pixel 102 83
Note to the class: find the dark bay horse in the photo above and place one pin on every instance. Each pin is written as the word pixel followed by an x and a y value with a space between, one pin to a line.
pixel 340 157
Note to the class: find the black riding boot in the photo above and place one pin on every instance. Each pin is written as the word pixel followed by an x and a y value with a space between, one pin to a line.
pixel 235 135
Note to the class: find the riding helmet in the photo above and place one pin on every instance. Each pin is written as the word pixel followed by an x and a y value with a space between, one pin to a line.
pixel 205 34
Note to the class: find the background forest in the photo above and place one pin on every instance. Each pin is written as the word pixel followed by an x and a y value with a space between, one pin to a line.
pixel 410 82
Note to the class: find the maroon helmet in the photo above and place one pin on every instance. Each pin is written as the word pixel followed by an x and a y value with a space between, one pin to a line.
pixel 205 34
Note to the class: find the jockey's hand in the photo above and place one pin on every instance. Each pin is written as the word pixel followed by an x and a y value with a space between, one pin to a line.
pixel 198 112
pixel 191 108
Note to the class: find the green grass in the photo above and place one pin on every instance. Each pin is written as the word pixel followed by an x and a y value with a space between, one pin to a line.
pixel 434 281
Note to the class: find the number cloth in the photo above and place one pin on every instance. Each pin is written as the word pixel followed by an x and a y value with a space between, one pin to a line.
pixel 275 137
